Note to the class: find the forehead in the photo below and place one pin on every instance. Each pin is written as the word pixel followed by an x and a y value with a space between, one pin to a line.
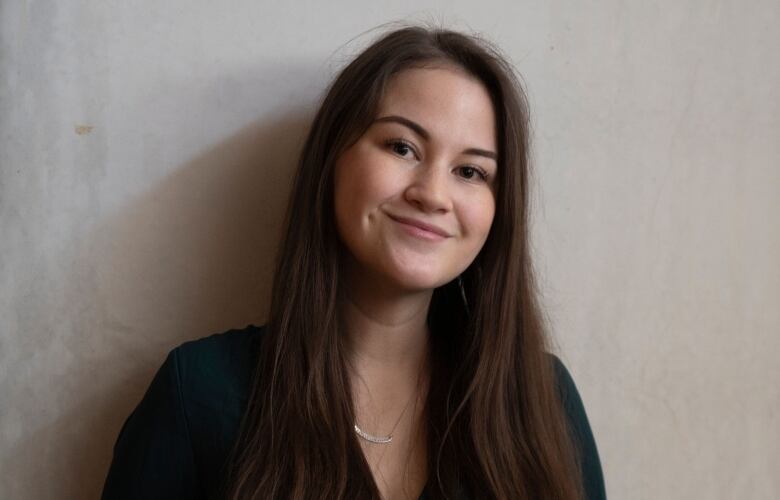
pixel 452 105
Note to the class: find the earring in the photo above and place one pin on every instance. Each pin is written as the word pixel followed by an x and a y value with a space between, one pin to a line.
pixel 463 294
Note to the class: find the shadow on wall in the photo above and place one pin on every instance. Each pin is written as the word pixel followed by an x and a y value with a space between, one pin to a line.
pixel 191 257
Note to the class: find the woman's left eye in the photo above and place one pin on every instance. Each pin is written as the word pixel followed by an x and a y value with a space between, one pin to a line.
pixel 469 171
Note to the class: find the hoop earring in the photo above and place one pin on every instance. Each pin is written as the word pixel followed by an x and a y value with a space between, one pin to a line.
pixel 463 294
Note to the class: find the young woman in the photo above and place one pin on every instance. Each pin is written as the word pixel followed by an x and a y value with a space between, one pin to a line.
pixel 404 355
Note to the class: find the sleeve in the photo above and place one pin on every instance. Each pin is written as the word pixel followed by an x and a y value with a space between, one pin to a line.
pixel 153 455
pixel 592 475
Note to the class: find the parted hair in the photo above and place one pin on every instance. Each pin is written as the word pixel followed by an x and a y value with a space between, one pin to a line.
pixel 495 425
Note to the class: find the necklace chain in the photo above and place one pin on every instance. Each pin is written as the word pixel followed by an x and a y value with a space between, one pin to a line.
pixel 371 438
pixel 382 439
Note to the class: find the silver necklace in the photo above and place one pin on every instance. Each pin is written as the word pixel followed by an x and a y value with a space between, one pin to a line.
pixel 381 439
pixel 371 438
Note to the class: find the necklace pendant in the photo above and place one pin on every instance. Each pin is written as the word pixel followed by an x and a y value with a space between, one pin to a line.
pixel 371 438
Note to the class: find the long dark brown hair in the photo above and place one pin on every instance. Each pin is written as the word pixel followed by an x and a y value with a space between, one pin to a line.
pixel 495 426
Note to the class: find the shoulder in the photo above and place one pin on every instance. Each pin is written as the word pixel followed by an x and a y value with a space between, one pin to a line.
pixel 563 379
pixel 569 395
pixel 176 440
pixel 214 376
pixel 220 347
pixel 219 362
pixel 571 399
pixel 580 431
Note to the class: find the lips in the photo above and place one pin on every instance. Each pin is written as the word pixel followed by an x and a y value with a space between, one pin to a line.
pixel 421 225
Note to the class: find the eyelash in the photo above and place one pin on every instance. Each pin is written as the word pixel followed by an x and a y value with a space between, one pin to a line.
pixel 391 143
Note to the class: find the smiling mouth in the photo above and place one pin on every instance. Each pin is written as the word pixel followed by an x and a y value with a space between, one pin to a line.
pixel 420 229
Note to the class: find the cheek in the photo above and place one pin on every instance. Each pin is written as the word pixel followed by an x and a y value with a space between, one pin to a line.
pixel 361 184
pixel 479 217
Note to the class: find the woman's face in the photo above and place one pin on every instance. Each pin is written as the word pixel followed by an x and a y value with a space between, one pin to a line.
pixel 415 195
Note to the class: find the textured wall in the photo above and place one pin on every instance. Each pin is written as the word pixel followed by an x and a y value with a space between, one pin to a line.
pixel 145 155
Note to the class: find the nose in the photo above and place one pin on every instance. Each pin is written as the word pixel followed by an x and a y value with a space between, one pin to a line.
pixel 428 189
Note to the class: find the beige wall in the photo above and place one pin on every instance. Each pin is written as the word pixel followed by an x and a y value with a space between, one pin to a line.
pixel 146 150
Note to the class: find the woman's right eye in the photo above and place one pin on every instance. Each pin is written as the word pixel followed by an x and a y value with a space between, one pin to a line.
pixel 399 147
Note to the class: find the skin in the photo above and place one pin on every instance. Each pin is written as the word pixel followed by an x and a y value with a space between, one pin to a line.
pixel 390 270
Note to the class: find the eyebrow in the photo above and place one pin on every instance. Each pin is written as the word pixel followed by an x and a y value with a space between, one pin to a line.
pixel 419 130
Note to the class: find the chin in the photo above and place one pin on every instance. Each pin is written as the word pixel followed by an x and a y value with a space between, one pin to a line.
pixel 421 280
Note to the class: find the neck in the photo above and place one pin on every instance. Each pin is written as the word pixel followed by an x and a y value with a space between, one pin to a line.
pixel 385 328
pixel 387 341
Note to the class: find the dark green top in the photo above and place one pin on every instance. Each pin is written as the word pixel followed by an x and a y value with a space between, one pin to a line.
pixel 175 443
